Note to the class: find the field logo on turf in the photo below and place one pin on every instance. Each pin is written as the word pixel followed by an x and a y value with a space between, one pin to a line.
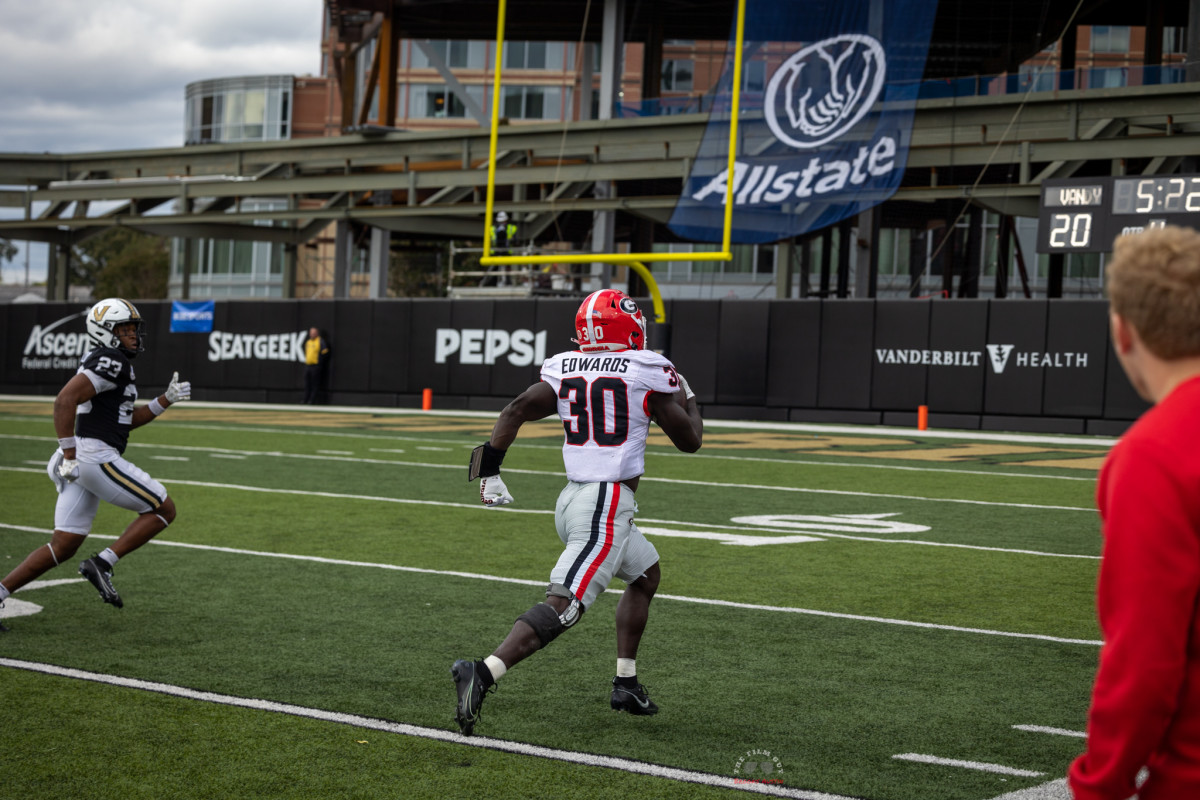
pixel 790 525
pixel 758 766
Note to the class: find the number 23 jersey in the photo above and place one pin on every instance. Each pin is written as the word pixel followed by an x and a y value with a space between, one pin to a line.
pixel 109 415
pixel 604 404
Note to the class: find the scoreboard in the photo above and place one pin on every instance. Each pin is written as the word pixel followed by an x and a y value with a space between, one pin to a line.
pixel 1085 215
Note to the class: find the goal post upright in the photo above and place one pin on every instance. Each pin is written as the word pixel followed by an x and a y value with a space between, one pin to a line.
pixel 501 12
pixel 635 260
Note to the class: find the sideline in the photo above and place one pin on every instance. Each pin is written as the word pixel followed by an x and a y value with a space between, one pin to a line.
pixel 657 451
pixel 541 583
pixel 804 427
pixel 405 729
pixel 555 474
pixel 650 520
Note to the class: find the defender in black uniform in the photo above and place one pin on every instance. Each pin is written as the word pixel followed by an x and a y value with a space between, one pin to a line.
pixel 93 415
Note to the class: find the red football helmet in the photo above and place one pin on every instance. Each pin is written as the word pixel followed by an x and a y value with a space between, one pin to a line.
pixel 609 320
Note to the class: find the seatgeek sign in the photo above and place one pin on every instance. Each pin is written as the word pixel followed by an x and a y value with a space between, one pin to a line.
pixel 53 346
pixel 227 346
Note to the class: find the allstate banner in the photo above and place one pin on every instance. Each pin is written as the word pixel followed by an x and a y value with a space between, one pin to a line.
pixel 192 317
pixel 828 93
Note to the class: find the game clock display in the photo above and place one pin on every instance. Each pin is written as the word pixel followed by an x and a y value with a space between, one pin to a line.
pixel 1085 215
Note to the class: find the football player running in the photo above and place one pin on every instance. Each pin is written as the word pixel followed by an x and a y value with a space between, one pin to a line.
pixel 93 414
pixel 606 392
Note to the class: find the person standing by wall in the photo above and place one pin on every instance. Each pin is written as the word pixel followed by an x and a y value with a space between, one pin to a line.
pixel 316 354
pixel 1145 706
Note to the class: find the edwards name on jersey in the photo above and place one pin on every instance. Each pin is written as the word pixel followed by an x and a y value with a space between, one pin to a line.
pixel 603 401
pixel 109 415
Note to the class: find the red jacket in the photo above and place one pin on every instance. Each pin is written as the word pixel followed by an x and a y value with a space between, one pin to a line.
pixel 1145 709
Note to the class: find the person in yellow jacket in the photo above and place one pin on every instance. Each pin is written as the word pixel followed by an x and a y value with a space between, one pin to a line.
pixel 504 233
pixel 316 352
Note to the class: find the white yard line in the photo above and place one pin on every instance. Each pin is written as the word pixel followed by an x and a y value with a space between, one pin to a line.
pixel 645 479
pixel 1052 731
pixel 436 734
pixel 1054 790
pixel 540 583
pixel 803 427
pixel 982 766
pixel 472 506
pixel 650 452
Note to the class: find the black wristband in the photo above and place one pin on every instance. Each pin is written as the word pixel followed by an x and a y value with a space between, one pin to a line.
pixel 485 462
pixel 489 465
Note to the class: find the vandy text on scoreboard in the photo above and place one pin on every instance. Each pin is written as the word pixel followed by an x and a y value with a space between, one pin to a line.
pixel 1085 215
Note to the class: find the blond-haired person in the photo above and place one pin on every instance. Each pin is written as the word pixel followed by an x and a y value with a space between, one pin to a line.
pixel 1145 707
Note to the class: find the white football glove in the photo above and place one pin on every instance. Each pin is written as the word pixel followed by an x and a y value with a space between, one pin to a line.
pixel 493 492
pixel 687 390
pixel 178 390
pixel 52 470
pixel 68 470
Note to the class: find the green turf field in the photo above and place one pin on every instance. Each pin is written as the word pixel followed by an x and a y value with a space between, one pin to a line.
pixel 843 613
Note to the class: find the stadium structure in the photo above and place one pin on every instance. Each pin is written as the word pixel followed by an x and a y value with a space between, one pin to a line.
pixel 376 166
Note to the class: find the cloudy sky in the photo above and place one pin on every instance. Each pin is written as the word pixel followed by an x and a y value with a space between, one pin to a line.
pixel 91 75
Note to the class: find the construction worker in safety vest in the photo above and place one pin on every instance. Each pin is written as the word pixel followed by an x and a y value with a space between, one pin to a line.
pixel 504 233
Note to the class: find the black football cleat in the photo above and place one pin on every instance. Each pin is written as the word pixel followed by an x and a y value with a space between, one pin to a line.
pixel 470 694
pixel 97 570
pixel 632 699
pixel 3 628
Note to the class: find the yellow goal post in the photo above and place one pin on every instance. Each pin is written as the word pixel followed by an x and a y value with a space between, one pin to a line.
pixel 636 261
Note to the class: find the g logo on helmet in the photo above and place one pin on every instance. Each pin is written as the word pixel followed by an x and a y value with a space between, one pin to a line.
pixel 824 89
pixel 628 306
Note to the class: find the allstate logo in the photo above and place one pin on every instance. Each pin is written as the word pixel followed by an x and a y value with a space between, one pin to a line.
pixel 822 90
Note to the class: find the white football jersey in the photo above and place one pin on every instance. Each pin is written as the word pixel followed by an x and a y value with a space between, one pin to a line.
pixel 603 401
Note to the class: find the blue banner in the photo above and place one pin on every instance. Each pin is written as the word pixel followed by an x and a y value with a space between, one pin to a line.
pixel 192 317
pixel 828 93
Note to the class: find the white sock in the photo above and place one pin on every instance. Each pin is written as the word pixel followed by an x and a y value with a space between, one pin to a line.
pixel 496 667
pixel 4 593
pixel 109 556
pixel 626 668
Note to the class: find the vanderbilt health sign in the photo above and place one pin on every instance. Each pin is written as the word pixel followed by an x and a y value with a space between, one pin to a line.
pixel 829 88
pixel 1032 365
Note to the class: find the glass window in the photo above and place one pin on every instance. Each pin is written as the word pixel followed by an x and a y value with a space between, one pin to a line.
pixel 1082 265
pixel 1110 38
pixel 254 107
pixel 677 75
pixel 754 76
pixel 1174 39
pixel 1106 77
pixel 239 109
pixel 206 118
pixel 456 54
pixel 437 101
pixel 531 55
pixel 512 100
pixel 894 247
pixel 243 258
pixel 765 266
pixel 531 102
pixel 1037 78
